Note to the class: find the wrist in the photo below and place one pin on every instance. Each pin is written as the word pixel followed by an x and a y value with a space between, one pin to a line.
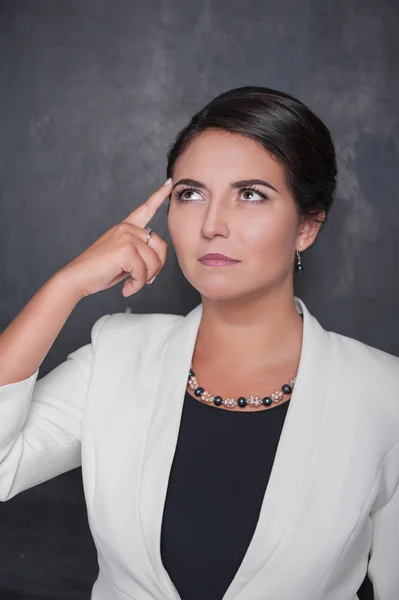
pixel 67 285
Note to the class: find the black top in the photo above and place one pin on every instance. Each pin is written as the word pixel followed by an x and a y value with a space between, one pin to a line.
pixel 218 479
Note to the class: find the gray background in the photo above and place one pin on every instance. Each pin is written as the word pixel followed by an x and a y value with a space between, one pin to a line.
pixel 92 94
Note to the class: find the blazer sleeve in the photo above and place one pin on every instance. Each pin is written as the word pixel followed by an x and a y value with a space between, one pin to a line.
pixel 383 567
pixel 40 421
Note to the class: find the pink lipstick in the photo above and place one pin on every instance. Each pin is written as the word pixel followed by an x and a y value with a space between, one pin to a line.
pixel 217 260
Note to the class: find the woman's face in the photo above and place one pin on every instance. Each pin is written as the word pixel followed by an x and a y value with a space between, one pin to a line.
pixel 256 224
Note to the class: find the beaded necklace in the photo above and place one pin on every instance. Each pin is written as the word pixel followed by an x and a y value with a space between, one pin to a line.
pixel 242 402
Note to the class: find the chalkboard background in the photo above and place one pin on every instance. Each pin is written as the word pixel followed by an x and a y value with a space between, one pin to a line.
pixel 92 94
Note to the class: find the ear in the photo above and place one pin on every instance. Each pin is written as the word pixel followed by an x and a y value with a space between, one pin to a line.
pixel 308 229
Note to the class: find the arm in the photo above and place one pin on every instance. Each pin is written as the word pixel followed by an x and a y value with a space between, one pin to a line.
pixel 383 568
pixel 27 340
pixel 40 420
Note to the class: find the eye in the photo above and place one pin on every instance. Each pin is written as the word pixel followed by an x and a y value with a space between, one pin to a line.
pixel 186 195
pixel 253 191
pixel 183 194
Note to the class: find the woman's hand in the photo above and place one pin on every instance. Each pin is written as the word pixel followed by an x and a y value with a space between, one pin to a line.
pixel 122 252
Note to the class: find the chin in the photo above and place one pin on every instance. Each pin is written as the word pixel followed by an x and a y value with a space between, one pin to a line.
pixel 216 286
pixel 215 292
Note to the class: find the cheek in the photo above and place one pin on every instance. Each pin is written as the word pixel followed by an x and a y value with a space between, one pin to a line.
pixel 268 237
pixel 180 230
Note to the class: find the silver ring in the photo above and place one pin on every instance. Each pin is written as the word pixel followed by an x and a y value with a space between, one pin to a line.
pixel 149 235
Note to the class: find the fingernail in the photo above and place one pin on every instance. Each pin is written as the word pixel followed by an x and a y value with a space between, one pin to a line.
pixel 168 181
pixel 151 280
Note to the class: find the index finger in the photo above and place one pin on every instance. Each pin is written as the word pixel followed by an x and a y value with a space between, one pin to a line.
pixel 144 213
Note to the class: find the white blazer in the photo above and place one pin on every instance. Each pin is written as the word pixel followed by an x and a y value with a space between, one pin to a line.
pixel 114 406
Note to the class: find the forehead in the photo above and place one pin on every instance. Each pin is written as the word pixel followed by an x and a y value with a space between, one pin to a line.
pixel 221 154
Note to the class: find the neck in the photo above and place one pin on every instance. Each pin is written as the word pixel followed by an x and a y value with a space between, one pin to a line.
pixel 261 332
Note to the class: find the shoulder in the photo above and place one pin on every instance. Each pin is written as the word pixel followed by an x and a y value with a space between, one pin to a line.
pixel 133 326
pixel 371 362
pixel 368 379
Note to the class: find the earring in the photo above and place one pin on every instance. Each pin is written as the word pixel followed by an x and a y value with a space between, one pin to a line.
pixel 298 262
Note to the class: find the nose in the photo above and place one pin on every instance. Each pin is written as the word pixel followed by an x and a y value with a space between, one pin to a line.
pixel 215 220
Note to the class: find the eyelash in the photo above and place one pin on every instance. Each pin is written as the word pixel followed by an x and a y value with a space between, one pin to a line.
pixel 180 193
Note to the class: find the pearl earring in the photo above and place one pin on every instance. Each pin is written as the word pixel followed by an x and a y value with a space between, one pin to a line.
pixel 298 262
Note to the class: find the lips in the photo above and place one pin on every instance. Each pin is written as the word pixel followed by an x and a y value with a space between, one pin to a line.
pixel 217 256
pixel 217 260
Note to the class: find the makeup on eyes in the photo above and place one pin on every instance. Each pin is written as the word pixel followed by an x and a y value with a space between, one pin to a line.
pixel 251 188
pixel 240 184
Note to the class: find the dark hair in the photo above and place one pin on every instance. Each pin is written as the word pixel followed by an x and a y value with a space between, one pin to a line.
pixel 286 128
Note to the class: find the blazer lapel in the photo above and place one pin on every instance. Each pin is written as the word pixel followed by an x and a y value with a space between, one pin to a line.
pixel 291 462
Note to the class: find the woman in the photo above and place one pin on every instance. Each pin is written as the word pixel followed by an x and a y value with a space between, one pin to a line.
pixel 242 451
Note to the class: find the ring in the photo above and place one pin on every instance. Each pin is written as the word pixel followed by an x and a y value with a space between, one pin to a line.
pixel 149 235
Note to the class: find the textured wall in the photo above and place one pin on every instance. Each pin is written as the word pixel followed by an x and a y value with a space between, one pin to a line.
pixel 92 93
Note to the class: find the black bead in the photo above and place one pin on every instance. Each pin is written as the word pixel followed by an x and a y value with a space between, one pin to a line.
pixel 191 373
pixel 299 268
pixel 199 391
pixel 267 401
pixel 287 389
pixel 241 401
pixel 218 400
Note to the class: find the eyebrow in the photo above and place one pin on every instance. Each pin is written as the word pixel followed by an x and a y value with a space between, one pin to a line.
pixel 235 184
